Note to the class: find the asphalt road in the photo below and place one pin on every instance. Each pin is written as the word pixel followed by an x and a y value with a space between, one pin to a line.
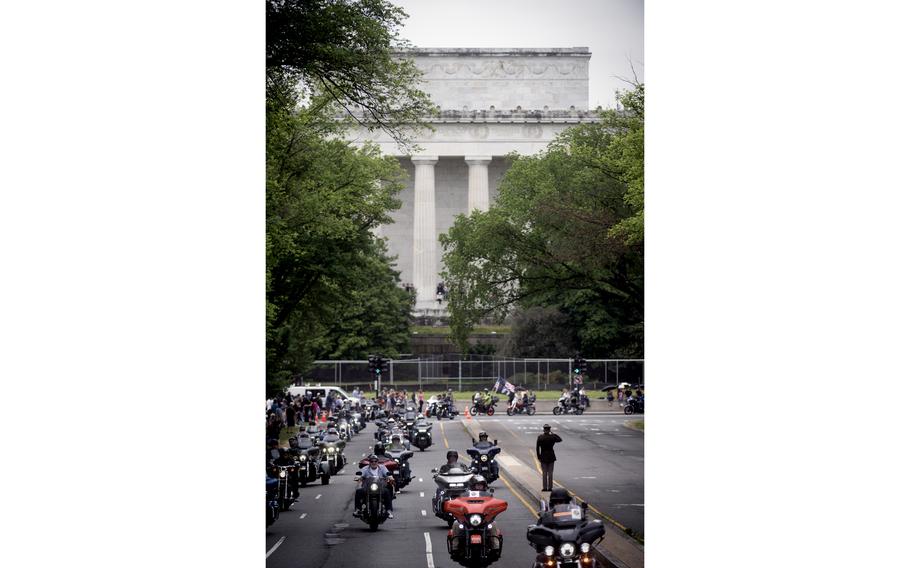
pixel 329 535
pixel 599 459
pixel 320 529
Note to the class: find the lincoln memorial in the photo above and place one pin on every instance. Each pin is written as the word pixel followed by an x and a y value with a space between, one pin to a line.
pixel 492 102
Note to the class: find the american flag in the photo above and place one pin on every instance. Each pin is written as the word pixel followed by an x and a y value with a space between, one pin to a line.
pixel 503 386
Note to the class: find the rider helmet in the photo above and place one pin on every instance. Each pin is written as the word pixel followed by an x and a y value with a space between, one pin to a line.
pixel 373 458
pixel 478 483
pixel 451 454
pixel 559 496
pixel 483 435
pixel 378 449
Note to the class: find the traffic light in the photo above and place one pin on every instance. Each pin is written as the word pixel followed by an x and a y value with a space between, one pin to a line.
pixel 579 366
pixel 384 366
pixel 374 365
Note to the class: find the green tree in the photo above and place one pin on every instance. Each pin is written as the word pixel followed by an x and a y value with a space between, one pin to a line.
pixel 330 288
pixel 566 231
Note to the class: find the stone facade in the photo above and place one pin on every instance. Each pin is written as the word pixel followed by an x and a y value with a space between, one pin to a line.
pixel 492 102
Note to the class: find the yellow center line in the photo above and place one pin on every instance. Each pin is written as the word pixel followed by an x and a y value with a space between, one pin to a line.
pixel 535 462
pixel 443 429
pixel 590 506
pixel 520 498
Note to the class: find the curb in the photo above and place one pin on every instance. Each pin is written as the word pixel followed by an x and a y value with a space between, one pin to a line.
pixel 603 555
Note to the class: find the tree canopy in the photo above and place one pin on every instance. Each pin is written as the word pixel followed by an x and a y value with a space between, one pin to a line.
pixel 331 291
pixel 567 231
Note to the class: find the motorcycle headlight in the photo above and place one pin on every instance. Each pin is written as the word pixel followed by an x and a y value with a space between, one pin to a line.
pixel 282 473
pixel 549 551
pixel 374 487
pixel 567 549
pixel 585 546
pixel 475 520
pixel 331 450
pixel 483 458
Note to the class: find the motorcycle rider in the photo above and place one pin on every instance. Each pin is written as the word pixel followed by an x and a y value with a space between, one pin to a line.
pixel 479 484
pixel 272 452
pixel 285 458
pixel 487 398
pixel 483 443
pixel 452 463
pixel 377 471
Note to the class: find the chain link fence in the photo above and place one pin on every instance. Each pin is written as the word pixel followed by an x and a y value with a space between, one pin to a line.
pixel 440 373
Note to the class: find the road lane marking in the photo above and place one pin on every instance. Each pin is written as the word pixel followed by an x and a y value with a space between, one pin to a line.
pixel 442 428
pixel 534 461
pixel 318 496
pixel 277 544
pixel 420 480
pixel 520 498
pixel 303 516
pixel 421 493
pixel 426 535
pixel 423 512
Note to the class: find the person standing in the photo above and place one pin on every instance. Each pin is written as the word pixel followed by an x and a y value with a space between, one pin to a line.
pixel 546 456
pixel 420 401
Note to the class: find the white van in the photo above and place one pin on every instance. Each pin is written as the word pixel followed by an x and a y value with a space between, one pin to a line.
pixel 321 392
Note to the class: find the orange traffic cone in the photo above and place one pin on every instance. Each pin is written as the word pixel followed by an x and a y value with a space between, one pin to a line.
pixel 467 413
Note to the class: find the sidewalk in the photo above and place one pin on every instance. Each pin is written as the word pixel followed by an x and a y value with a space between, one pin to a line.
pixel 616 550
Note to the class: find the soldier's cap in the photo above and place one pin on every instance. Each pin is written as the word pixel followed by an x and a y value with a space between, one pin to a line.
pixel 546 426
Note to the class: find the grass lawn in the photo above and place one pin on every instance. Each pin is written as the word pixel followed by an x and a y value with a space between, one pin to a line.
pixel 637 424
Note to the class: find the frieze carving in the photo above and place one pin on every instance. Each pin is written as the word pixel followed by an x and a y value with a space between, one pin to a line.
pixel 500 69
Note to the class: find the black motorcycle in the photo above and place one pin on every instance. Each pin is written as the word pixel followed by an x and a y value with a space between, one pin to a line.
pixel 422 436
pixel 287 484
pixel 272 507
pixel 402 475
pixel 373 512
pixel 482 460
pixel 634 405
pixel 308 458
pixel 564 537
pixel 333 456
pixel 449 486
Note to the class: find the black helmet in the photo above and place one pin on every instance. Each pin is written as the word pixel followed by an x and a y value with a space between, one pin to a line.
pixel 273 442
pixel 372 457
pixel 559 496
pixel 379 449
pixel 483 435
pixel 451 454
pixel 478 483
pixel 292 441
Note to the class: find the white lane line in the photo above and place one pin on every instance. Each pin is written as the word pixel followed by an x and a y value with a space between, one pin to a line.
pixel 280 540
pixel 420 479
pixel 303 516
pixel 426 535
pixel 423 512
pixel 421 493
pixel 318 496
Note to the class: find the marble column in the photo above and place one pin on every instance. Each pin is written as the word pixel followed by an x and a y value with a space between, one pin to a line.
pixel 425 237
pixel 478 182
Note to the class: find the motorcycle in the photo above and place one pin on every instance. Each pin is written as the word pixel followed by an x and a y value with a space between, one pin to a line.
pixel 634 405
pixel 480 408
pixel 564 538
pixel 474 539
pixel 333 457
pixel 287 483
pixel 272 508
pixel 308 458
pixel 564 406
pixel 450 485
pixel 423 437
pixel 402 474
pixel 530 408
pixel 482 460
pixel 373 512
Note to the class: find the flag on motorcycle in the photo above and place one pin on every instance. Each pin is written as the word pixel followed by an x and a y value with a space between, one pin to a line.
pixel 503 386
